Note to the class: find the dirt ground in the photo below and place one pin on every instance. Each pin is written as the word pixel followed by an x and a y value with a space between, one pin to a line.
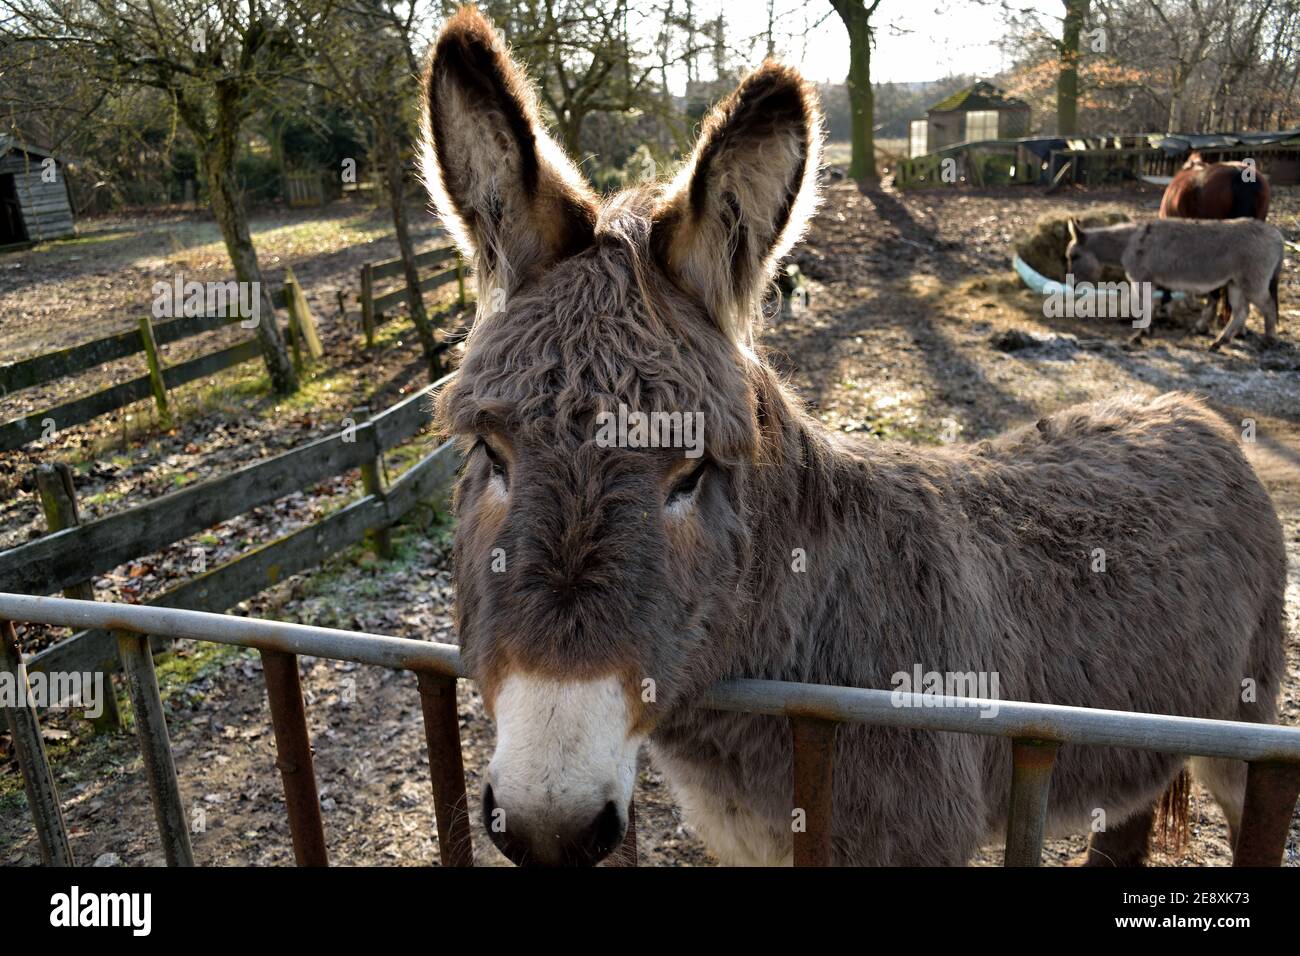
pixel 908 332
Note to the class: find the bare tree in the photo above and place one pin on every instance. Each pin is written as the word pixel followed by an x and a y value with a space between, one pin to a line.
pixel 365 55
pixel 216 60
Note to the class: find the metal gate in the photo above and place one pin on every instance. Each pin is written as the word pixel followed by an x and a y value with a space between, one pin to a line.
pixel 814 712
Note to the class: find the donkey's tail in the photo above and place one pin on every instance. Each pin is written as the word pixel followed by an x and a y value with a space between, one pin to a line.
pixel 1171 813
pixel 1272 287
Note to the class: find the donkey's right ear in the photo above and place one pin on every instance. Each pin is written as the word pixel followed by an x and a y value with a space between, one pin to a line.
pixel 505 191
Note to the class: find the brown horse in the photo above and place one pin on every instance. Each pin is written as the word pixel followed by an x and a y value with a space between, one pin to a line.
pixel 1202 190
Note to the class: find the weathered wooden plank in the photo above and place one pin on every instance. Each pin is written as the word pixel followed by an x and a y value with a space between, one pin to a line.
pixel 226 585
pixel 19 431
pixel 432 477
pixel 55 561
pixel 40 369
pixel 211 363
pixel 393 267
pixel 408 417
pixel 397 297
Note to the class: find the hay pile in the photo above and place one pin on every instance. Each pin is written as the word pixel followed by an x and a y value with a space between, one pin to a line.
pixel 1044 246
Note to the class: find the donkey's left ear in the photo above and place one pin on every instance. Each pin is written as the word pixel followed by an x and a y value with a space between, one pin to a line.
pixel 745 196
pixel 510 197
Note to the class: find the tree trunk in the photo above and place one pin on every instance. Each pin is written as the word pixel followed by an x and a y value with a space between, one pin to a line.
pixel 857 20
pixel 395 186
pixel 1177 89
pixel 1067 80
pixel 218 157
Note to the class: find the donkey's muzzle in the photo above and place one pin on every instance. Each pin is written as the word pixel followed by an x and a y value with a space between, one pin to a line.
pixel 554 842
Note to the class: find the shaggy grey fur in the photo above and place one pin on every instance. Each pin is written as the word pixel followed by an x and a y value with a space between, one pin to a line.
pixel 964 558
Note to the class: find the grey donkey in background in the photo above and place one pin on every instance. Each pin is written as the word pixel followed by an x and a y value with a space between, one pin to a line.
pixel 1190 255
pixel 1119 555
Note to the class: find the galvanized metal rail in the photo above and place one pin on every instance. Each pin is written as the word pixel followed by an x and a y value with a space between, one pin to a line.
pixel 814 710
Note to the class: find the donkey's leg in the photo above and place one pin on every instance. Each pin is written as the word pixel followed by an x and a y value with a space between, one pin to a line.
pixel 1226 781
pixel 1240 309
pixel 1266 302
pixel 1124 845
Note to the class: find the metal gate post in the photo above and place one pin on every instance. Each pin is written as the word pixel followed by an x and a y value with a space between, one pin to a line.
pixel 1271 790
pixel 38 780
pixel 814 774
pixel 155 747
pixel 293 757
pixel 1031 779
pixel 446 768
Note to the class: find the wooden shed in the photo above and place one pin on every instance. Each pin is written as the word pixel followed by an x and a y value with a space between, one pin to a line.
pixel 34 203
pixel 978 113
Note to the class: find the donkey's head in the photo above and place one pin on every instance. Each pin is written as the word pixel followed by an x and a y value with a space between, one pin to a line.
pixel 601 558
pixel 1080 261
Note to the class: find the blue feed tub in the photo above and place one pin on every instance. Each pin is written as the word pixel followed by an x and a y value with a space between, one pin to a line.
pixel 1037 282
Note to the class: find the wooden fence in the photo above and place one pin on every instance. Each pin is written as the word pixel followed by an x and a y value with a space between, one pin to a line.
pixel 69 558
pixel 1009 163
pixel 52 366
pixel 374 307
pixel 305 188
pixel 1098 167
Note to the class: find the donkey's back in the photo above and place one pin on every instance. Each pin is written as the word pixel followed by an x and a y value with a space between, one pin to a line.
pixel 1200 255
pixel 1119 555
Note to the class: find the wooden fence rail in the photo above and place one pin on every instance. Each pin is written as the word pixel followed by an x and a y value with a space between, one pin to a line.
pixel 52 366
pixel 75 554
pixel 374 307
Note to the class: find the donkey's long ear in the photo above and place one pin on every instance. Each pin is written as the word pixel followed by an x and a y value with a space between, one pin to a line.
pixel 503 188
pixel 744 197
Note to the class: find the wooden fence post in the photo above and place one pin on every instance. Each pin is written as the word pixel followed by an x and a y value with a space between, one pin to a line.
pixel 372 480
pixel 59 502
pixel 300 317
pixel 460 279
pixel 155 747
pixel 368 305
pixel 42 798
pixel 156 382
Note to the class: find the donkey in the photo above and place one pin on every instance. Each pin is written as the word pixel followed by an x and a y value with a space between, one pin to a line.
pixel 601 588
pixel 1194 255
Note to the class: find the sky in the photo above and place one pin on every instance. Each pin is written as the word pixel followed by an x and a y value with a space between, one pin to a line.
pixel 915 39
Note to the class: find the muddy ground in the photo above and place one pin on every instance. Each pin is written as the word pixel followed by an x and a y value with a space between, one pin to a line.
pixel 913 328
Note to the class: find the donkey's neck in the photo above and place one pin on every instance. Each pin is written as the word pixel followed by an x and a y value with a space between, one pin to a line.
pixel 1107 243
pixel 829 522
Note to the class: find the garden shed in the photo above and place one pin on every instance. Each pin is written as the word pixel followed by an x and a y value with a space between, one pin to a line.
pixel 34 203
pixel 979 112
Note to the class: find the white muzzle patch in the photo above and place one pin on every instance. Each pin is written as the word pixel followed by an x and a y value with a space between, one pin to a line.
pixel 564 750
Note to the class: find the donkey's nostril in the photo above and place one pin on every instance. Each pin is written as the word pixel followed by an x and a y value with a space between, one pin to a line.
pixel 609 829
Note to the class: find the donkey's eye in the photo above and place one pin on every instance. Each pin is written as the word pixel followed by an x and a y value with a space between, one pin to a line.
pixel 494 460
pixel 686 485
